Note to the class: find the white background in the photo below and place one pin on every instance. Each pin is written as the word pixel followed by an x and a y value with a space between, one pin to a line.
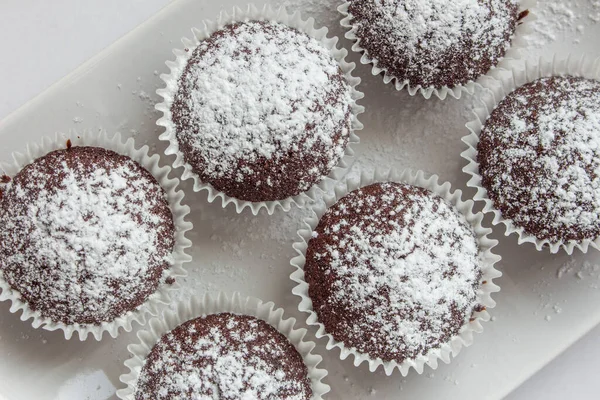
pixel 42 41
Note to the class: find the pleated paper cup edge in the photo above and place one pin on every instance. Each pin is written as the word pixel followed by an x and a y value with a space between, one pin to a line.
pixel 488 260
pixel 179 211
pixel 497 88
pixel 198 306
pixel 519 42
pixel 266 13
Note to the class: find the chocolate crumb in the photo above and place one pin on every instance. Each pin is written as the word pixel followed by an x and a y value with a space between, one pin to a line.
pixel 523 14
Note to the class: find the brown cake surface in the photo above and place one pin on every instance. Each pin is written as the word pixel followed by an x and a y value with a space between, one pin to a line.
pixel 435 43
pixel 262 111
pixel 85 235
pixel 539 158
pixel 224 356
pixel 393 271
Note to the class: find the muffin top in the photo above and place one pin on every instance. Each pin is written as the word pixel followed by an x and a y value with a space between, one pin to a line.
pixel 539 158
pixel 85 235
pixel 262 111
pixel 224 356
pixel 435 43
pixel 393 271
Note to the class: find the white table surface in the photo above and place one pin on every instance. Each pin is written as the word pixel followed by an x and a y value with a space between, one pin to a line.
pixel 42 41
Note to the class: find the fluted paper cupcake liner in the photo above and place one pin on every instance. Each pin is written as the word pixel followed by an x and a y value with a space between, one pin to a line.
pixel 209 304
pixel 178 210
pixel 499 87
pixel 519 42
pixel 207 28
pixel 488 259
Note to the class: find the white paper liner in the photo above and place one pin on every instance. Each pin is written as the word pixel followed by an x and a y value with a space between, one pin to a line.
pixel 210 304
pixel 176 67
pixel 488 259
pixel 179 211
pixel 498 88
pixel 518 43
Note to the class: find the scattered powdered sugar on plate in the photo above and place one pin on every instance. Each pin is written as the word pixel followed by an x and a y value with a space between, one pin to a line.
pixel 224 356
pixel 323 11
pixel 595 15
pixel 556 17
pixel 539 155
pixel 279 228
pixel 238 251
pixel 412 132
pixel 560 18
pixel 230 242
pixel 582 270
pixel 86 235
pixel 263 105
pixel 393 271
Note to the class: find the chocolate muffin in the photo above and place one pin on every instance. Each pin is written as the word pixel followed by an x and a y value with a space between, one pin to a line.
pixel 262 111
pixel 85 235
pixel 539 158
pixel 224 356
pixel 393 271
pixel 435 43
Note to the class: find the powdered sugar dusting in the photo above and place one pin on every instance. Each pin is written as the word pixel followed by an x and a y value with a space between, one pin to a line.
pixel 563 19
pixel 323 11
pixel 256 92
pixel 427 38
pixel 540 156
pixel 224 356
pixel 435 24
pixel 595 16
pixel 403 271
pixel 86 235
